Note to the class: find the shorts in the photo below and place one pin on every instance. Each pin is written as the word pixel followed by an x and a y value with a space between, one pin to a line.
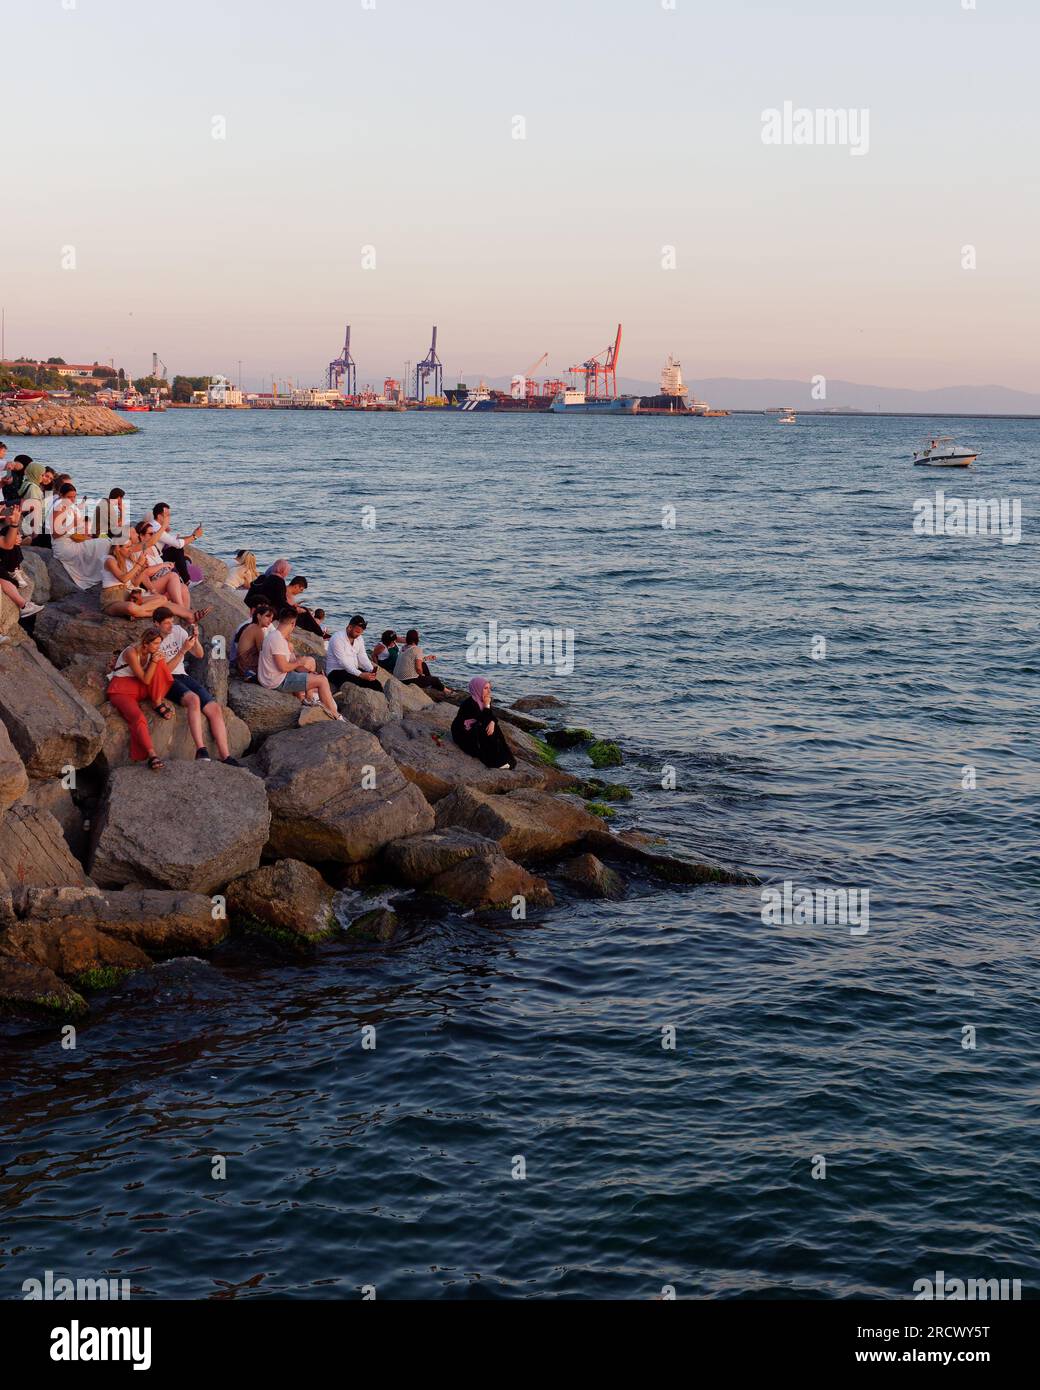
pixel 183 684
pixel 295 682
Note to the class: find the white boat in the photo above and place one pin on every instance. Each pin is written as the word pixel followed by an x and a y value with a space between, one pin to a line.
pixel 942 452
pixel 787 417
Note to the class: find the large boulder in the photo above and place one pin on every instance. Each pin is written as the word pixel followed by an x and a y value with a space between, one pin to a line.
pixel 51 794
pixel 194 826
pixel 59 582
pixel 466 868
pixel 530 702
pixel 171 738
pixel 50 725
pixel 425 752
pixel 10 616
pixel 75 950
pixel 287 898
pixel 667 867
pixel 35 991
pixel 34 852
pixel 14 780
pixel 74 626
pixel 365 708
pixel 35 566
pixel 419 858
pixel 155 920
pixel 335 795
pixel 308 644
pixel 402 699
pixel 7 914
pixel 527 824
pixel 593 877
pixel 226 611
pixel 263 711
pixel 490 882
pixel 377 924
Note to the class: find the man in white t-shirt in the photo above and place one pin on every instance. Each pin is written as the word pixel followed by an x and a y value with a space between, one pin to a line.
pixel 278 668
pixel 168 546
pixel 193 697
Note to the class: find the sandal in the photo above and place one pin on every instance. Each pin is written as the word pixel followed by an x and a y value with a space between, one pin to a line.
pixel 156 764
pixel 199 613
pixel 163 710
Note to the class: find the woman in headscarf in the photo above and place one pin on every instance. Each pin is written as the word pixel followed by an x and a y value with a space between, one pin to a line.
pixel 474 730
pixel 35 479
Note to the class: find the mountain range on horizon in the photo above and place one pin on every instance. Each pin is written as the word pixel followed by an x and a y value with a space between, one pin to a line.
pixel 736 393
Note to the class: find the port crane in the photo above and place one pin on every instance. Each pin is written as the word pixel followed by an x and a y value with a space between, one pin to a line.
pixel 157 362
pixel 343 366
pixel 594 370
pixel 523 386
pixel 431 365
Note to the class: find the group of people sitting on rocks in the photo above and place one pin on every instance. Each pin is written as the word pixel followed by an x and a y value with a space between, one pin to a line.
pixel 144 573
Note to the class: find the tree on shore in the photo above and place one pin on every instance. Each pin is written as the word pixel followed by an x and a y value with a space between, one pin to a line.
pixel 183 386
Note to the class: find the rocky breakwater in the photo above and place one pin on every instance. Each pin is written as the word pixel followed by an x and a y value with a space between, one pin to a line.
pixel 107 867
pixel 54 417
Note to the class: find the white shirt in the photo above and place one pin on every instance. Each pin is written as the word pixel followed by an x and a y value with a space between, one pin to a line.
pixel 267 670
pixel 162 537
pixel 344 655
pixel 171 645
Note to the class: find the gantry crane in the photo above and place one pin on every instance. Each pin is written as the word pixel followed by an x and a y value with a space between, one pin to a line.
pixel 594 369
pixel 343 366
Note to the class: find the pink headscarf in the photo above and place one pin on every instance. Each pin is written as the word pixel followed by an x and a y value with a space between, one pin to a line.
pixel 477 686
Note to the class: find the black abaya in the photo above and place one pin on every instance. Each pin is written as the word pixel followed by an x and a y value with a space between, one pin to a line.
pixel 491 749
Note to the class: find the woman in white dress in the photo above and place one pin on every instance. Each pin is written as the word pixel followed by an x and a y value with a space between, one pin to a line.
pixel 82 555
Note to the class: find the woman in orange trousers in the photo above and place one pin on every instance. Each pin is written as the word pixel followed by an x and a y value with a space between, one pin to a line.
pixel 140 673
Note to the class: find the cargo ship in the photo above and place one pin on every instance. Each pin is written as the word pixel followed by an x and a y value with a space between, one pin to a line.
pixel 571 401
pixel 486 398
pixel 672 399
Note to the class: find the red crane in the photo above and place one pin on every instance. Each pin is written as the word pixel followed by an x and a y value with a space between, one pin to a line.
pixel 594 369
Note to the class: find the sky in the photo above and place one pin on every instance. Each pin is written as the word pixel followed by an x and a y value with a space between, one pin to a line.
pixel 641 191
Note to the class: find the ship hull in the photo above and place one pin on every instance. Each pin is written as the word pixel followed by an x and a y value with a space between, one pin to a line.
pixel 615 405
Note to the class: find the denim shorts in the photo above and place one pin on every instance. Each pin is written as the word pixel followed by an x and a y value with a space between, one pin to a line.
pixel 183 684
pixel 295 681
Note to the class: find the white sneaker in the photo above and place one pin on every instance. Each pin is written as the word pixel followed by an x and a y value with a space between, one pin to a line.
pixel 31 608
pixel 21 578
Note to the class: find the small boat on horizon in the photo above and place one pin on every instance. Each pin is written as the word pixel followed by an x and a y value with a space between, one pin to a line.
pixel 787 417
pixel 942 452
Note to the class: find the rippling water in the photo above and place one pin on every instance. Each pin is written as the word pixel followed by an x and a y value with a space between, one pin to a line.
pixel 644 1166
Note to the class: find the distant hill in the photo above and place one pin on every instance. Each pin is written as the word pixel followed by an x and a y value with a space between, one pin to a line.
pixel 734 393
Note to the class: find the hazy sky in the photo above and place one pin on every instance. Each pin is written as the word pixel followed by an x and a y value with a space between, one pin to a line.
pixel 389 124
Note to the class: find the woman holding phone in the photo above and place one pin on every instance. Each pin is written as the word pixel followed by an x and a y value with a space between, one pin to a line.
pixel 140 673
